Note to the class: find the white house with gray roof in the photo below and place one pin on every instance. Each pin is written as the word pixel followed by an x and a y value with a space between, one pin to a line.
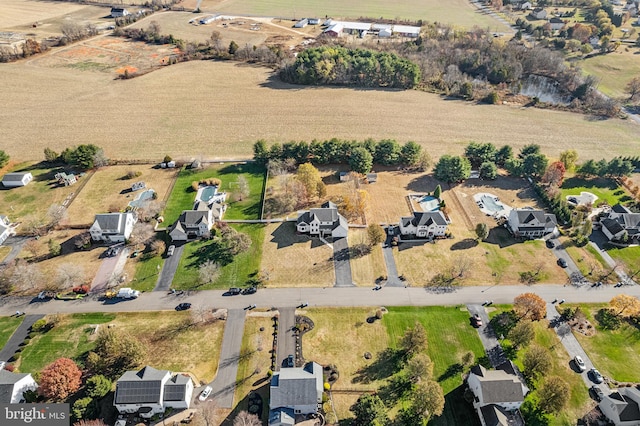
pixel 13 180
pixel 151 391
pixel 622 407
pixel 620 222
pixel 197 222
pixel 5 229
pixel 14 385
pixel 324 222
pixel 503 387
pixel 530 223
pixel 424 224
pixel 113 227
pixel 295 391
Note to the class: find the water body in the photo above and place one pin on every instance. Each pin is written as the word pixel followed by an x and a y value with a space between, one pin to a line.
pixel 545 89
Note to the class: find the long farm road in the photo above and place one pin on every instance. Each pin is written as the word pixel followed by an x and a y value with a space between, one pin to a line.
pixel 322 297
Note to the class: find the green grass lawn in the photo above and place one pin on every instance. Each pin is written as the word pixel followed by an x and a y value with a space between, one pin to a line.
pixel 7 326
pixel 613 352
pixel 583 256
pixel 147 272
pixel 183 196
pixel 605 189
pixel 63 340
pixel 613 70
pixel 235 273
pixel 629 256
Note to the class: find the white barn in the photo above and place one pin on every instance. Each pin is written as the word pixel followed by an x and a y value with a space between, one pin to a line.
pixel 14 180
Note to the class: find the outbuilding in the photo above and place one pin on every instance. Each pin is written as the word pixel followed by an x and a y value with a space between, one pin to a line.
pixel 13 180
pixel 119 12
pixel 301 23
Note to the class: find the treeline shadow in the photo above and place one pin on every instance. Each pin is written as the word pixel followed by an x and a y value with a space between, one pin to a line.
pixel 388 362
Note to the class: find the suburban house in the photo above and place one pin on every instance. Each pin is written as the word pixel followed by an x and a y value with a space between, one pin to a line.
pixel 539 13
pixel 620 222
pixel 324 221
pixel 5 229
pixel 622 407
pixel 424 224
pixel 497 393
pixel 526 6
pixel 150 391
pixel 113 227
pixel 361 29
pixel 14 385
pixel 13 180
pixel 530 223
pixel 191 224
pixel 556 24
pixel 119 12
pixel 295 391
pixel 65 179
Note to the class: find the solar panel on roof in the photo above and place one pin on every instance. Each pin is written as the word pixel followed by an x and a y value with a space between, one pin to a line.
pixel 174 392
pixel 138 392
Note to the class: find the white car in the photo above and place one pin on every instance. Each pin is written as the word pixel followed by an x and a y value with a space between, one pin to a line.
pixel 205 393
pixel 170 250
pixel 579 363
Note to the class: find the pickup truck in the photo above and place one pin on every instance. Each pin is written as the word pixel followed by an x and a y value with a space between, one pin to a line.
pixel 128 293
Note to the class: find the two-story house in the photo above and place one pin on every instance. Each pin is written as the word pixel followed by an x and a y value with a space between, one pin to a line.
pixel 14 385
pixel 324 222
pixel 620 222
pixel 424 224
pixel 5 229
pixel 295 391
pixel 530 223
pixel 113 227
pixel 622 407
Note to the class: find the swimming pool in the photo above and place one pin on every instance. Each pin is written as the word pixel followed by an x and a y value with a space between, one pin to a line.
pixel 142 198
pixel 429 203
pixel 491 204
pixel 207 193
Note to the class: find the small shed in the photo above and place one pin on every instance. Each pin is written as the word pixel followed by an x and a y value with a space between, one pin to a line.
pixel 372 177
pixel 65 179
pixel 171 164
pixel 137 186
pixel 119 12
pixel 344 176
pixel 314 21
pixel 13 180
pixel 385 32
pixel 301 23
pixel 195 164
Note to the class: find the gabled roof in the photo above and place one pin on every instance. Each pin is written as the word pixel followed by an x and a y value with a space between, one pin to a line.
pixel 282 415
pixel 8 379
pixel 296 386
pixel 555 20
pixel 612 225
pixel 499 386
pixel 175 388
pixel 140 387
pixel 111 222
pixel 494 416
pixel 191 218
pixel 625 401
pixel 428 218
pixel 14 177
pixel 619 208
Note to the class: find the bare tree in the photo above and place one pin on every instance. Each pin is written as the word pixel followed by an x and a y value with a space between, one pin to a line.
pixel 158 247
pixel 200 313
pixel 70 275
pixel 82 240
pixel 100 159
pixel 150 210
pixel 32 246
pixel 208 272
pixel 246 419
pixel 26 276
pixel 243 188
pixel 207 415
pixel 56 214
pixel 142 233
pixel 34 225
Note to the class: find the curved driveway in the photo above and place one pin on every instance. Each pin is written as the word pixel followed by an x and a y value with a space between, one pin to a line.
pixel 339 297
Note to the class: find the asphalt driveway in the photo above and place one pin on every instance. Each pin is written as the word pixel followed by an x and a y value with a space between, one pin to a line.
pixel 18 336
pixel 169 269
pixel 286 336
pixel 224 385
pixel 487 336
pixel 342 263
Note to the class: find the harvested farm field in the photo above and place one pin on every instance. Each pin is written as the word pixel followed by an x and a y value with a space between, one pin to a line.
pixel 219 109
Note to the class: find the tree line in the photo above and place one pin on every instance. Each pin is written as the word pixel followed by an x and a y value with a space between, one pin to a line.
pixel 337 65
pixel 85 157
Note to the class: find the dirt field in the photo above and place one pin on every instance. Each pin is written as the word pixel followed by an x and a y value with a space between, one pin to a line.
pixel 293 260
pixel 104 190
pixel 202 108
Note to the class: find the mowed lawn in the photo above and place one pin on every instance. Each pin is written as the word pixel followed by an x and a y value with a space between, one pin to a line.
pixel 605 189
pixel 183 195
pixel 7 326
pixel 455 12
pixel 613 352
pixel 31 202
pixel 169 343
pixel 161 113
pixel 628 256
pixel 235 274
pixel 293 260
pixel 613 70
pixel 367 269
pixel 108 190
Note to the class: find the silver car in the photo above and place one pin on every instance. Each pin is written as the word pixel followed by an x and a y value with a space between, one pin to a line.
pixel 579 363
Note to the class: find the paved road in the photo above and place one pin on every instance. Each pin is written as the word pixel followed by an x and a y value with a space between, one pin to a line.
pixel 390 262
pixel 286 336
pixel 109 267
pixel 18 337
pixel 16 244
pixel 488 337
pixel 332 297
pixel 561 253
pixel 342 263
pixel 169 269
pixel 224 385
pixel 572 346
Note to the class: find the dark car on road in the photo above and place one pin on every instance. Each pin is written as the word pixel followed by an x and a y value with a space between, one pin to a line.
pixel 595 376
pixel 550 244
pixel 183 306
pixel 597 393
pixel 249 290
pixel 289 362
pixel 562 263
pixel 233 291
pixel 476 321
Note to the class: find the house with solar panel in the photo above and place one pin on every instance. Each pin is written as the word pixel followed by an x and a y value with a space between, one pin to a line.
pixel 14 385
pixel 150 391
pixel 295 393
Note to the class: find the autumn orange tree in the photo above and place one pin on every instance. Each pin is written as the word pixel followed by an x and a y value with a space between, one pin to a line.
pixel 625 305
pixel 60 379
pixel 531 306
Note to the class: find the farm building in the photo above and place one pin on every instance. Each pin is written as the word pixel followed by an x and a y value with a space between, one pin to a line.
pixel 208 19
pixel 314 21
pixel 539 13
pixel 301 23
pixel 334 30
pixel 119 12
pixel 556 24
pixel 13 180
pixel 65 179
pixel 406 30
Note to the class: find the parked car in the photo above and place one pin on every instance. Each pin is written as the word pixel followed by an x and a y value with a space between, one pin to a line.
pixel 290 362
pixel 170 250
pixel 46 295
pixel 234 291
pixel 183 306
pixel 476 321
pixel 249 290
pixel 597 393
pixel 250 307
pixel 595 375
pixel 205 393
pixel 579 363
pixel 562 263
pixel 550 244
